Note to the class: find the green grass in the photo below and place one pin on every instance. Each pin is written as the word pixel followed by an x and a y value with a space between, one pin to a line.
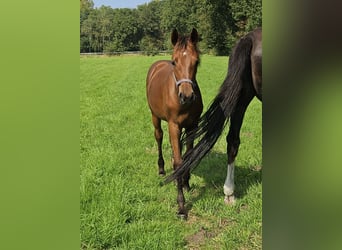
pixel 123 204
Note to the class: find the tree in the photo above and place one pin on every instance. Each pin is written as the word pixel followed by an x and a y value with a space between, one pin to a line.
pixel 89 33
pixel 247 14
pixel 105 25
pixel 127 31
pixel 149 18
pixel 217 18
pixel 86 8
pixel 178 14
pixel 219 22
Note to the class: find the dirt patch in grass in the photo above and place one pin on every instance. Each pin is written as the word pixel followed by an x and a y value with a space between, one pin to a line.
pixel 208 230
pixel 196 240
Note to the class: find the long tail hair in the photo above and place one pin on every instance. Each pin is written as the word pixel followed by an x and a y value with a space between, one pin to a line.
pixel 214 120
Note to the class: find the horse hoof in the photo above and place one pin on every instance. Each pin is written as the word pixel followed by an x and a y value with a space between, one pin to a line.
pixel 229 200
pixel 162 173
pixel 182 216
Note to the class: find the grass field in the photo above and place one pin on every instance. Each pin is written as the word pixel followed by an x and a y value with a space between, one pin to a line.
pixel 123 204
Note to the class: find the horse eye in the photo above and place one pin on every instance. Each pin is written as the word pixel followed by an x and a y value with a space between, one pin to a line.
pixel 173 63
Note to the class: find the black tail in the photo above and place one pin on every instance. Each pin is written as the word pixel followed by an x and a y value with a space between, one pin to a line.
pixel 213 121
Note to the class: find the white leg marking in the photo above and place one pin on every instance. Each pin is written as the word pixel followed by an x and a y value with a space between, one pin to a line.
pixel 228 187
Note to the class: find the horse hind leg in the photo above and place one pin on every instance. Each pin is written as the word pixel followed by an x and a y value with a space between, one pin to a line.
pixel 158 134
pixel 233 143
pixel 229 186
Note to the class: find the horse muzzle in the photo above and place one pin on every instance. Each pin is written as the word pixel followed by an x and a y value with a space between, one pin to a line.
pixel 186 99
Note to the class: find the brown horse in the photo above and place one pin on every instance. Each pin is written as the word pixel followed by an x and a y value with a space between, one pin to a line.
pixel 242 84
pixel 173 95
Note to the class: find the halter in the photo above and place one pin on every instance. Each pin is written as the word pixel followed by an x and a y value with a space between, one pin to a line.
pixel 182 80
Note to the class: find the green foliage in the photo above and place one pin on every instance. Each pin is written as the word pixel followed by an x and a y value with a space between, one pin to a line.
pixel 247 14
pixel 122 204
pixel 86 6
pixel 148 27
pixel 150 46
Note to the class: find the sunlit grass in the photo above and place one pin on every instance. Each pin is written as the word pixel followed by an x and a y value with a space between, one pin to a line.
pixel 123 204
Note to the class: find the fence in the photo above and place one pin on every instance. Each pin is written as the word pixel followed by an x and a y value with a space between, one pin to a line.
pixel 164 52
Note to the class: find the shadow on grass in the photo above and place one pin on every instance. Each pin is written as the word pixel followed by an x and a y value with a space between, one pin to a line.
pixel 213 170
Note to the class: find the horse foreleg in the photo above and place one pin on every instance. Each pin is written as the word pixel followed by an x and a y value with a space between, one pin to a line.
pixel 158 134
pixel 174 131
pixel 189 146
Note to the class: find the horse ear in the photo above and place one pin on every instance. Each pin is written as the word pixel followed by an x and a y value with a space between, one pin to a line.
pixel 174 37
pixel 194 36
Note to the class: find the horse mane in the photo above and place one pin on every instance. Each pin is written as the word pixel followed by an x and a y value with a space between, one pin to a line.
pixel 184 41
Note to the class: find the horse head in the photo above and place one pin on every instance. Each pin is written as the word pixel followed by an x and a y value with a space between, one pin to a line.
pixel 185 59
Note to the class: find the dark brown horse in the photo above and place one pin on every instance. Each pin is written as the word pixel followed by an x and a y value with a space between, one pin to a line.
pixel 173 95
pixel 242 84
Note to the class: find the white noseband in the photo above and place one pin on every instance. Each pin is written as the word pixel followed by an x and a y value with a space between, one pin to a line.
pixel 182 80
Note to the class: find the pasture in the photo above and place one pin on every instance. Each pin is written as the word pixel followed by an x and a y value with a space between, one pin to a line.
pixel 123 204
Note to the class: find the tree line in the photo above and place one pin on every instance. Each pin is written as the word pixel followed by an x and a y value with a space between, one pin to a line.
pixel 148 27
